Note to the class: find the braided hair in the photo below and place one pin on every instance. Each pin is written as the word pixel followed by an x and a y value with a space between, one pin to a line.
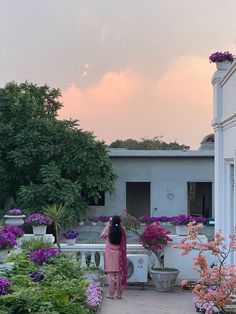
pixel 115 231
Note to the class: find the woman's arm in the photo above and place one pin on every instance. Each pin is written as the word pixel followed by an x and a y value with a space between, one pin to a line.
pixel 105 231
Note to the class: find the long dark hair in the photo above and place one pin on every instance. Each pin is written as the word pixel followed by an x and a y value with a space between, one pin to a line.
pixel 115 232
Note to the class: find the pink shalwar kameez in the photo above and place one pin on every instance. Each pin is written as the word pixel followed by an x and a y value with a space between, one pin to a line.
pixel 115 263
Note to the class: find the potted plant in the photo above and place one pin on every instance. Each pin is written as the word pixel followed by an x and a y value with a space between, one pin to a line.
pixel 17 231
pixel 94 220
pixel 7 241
pixel 155 238
pixel 181 223
pixel 70 236
pixel 147 219
pixel 39 222
pixel 14 217
pixel 222 59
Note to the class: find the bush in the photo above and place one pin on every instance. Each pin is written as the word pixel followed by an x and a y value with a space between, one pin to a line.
pixel 36 244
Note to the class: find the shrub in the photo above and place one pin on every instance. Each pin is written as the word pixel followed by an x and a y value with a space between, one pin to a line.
pixel 36 244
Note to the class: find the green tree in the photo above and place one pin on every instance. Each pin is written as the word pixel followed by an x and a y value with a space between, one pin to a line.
pixel 156 143
pixel 43 160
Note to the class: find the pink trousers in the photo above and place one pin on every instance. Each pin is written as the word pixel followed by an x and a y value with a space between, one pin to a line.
pixel 114 283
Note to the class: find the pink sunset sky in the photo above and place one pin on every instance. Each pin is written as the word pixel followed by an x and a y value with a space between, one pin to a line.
pixel 127 68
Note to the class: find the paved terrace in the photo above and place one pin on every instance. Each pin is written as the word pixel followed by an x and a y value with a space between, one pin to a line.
pixel 149 301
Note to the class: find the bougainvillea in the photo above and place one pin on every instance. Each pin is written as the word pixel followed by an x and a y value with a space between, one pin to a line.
pixel 42 256
pixel 216 282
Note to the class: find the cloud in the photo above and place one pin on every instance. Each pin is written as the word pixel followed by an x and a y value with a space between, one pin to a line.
pixel 127 104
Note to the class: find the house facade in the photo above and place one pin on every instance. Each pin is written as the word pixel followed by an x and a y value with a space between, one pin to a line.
pixel 224 123
pixel 161 183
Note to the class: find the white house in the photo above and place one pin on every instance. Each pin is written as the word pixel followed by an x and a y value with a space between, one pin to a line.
pixel 224 123
pixel 161 183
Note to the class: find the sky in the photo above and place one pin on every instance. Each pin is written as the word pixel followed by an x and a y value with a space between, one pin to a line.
pixel 127 68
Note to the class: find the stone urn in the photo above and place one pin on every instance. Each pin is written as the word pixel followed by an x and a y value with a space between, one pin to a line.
pixel 39 230
pixel 14 220
pixel 164 279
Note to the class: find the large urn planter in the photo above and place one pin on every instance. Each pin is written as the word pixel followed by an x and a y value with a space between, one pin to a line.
pixel 164 279
pixel 13 220
pixel 3 255
pixel 39 230
pixel 181 230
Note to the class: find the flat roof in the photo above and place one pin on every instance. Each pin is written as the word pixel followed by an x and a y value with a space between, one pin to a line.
pixel 119 152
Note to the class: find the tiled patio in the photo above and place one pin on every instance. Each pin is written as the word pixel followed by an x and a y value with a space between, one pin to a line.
pixel 149 301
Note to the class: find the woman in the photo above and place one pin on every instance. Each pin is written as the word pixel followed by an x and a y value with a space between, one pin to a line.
pixel 115 262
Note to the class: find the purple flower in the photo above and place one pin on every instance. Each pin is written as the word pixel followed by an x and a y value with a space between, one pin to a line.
pixel 94 294
pixel 37 219
pixel 147 219
pixel 221 56
pixel 104 218
pixel 7 239
pixel 4 286
pixel 42 256
pixel 94 219
pixel 71 234
pixel 15 211
pixel 184 219
pixel 17 231
pixel 164 219
pixel 36 276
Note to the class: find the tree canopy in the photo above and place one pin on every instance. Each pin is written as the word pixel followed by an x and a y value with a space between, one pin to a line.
pixel 156 143
pixel 43 160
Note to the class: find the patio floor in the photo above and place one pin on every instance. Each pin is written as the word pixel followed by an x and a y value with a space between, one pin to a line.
pixel 149 301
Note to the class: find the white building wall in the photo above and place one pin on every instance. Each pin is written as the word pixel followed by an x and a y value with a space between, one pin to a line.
pixel 166 175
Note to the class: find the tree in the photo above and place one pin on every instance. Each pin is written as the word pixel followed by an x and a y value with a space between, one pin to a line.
pixel 155 143
pixel 43 160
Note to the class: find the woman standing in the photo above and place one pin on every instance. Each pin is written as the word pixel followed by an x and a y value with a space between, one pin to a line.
pixel 115 262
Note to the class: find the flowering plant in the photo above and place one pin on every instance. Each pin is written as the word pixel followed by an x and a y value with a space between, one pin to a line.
pixel 164 219
pixel 42 256
pixel 71 234
pixel 4 286
pixel 15 211
pixel 104 218
pixel 221 56
pixel 94 294
pixel 17 231
pixel 218 282
pixel 94 219
pixel 147 219
pixel 37 219
pixel 185 219
pixel 7 239
pixel 36 275
pixel 155 238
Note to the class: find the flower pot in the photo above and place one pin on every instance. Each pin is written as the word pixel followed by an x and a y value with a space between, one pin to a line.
pixel 70 241
pixel 14 220
pixel 81 223
pixel 223 65
pixel 93 223
pixel 92 275
pixel 3 255
pixel 39 230
pixel 182 230
pixel 164 280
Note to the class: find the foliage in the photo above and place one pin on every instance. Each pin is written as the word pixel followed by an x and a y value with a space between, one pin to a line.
pixel 43 160
pixel 131 223
pixel 35 244
pixel 155 238
pixel 156 143
pixel 221 56
pixel 218 282
pixel 57 288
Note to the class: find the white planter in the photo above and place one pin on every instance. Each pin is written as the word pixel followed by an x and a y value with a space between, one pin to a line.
pixel 93 223
pixel 3 255
pixel 13 220
pixel 182 230
pixel 39 230
pixel 70 241
pixel 81 223
pixel 223 66
pixel 164 281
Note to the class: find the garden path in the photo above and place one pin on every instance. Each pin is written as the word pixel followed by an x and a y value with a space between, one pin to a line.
pixel 149 301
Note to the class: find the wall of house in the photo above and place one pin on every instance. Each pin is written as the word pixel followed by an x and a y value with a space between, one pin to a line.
pixel 168 176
